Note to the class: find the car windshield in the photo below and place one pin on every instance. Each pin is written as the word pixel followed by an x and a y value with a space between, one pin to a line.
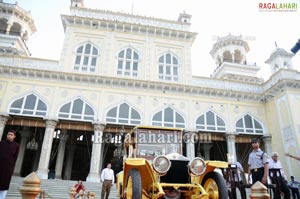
pixel 153 142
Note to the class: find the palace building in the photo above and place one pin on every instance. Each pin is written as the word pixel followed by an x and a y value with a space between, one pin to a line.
pixel 117 71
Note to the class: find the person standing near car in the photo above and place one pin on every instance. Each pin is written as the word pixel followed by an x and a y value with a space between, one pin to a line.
pixel 258 164
pixel 278 177
pixel 9 151
pixel 294 186
pixel 107 179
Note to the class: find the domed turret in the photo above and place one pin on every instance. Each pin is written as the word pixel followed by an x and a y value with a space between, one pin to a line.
pixel 184 17
pixel 16 25
pixel 77 3
pixel 229 53
pixel 230 49
pixel 280 58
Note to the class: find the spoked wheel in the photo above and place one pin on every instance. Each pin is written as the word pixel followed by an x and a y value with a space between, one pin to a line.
pixel 214 184
pixel 133 185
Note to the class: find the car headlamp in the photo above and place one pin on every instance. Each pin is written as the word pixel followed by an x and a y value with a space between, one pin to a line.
pixel 197 166
pixel 161 164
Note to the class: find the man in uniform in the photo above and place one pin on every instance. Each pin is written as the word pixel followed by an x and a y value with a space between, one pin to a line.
pixel 258 164
pixel 9 151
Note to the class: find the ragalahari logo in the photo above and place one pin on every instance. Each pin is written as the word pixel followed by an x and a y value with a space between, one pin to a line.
pixel 277 7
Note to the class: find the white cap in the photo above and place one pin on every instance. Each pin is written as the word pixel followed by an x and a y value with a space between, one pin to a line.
pixel 274 154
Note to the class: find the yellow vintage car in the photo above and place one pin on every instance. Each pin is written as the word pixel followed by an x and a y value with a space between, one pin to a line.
pixel 154 167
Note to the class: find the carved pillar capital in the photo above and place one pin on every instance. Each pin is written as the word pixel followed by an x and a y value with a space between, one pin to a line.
pixel 231 150
pixel 3 119
pixel 267 138
pixel 230 136
pixel 51 123
pixel 99 126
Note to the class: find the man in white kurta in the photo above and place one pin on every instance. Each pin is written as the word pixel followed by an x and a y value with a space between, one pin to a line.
pixel 278 177
pixel 107 179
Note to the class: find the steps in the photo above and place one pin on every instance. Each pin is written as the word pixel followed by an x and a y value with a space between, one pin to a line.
pixel 58 189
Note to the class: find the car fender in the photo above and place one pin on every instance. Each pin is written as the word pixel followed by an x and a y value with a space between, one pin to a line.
pixel 147 173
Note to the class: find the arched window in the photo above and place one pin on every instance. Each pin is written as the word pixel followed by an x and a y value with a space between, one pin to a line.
pixel 123 114
pixel 248 124
pixel 210 122
pixel 76 110
pixel 168 118
pixel 3 25
pixel 15 29
pixel 227 56
pixel 128 63
pixel 168 67
pixel 86 58
pixel 28 105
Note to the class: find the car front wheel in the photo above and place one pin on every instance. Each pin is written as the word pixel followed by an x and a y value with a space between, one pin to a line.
pixel 134 185
pixel 214 184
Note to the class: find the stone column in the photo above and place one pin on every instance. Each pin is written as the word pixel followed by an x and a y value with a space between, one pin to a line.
pixel 207 148
pixel 25 134
pixel 69 163
pixel 232 57
pixel 42 171
pixel 94 175
pixel 190 145
pixel 268 143
pixel 3 120
pixel 61 154
pixel 9 25
pixel 36 159
pixel 230 138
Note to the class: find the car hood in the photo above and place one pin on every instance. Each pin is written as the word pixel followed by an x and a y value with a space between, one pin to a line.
pixel 177 156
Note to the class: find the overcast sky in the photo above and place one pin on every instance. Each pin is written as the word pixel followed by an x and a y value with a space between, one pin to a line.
pixel 210 19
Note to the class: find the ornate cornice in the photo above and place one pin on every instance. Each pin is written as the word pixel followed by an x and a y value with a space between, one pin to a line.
pixel 205 87
pixel 121 26
pixel 284 79
pixel 129 18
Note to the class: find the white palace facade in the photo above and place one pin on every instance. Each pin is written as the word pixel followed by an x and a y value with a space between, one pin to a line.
pixel 117 71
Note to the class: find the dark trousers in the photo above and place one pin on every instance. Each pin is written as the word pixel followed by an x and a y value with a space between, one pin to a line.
pixel 106 189
pixel 240 187
pixel 257 174
pixel 295 193
pixel 281 186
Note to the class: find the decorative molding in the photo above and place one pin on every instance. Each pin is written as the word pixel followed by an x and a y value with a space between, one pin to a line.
pixel 155 29
pixel 96 14
pixel 28 62
pixel 206 87
pixel 226 89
